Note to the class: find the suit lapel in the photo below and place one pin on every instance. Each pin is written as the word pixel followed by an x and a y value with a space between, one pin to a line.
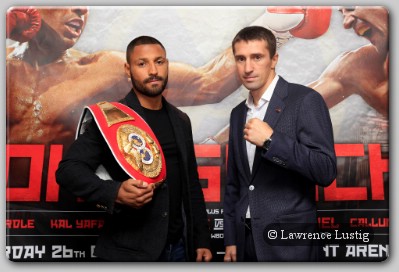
pixel 273 113
pixel 241 141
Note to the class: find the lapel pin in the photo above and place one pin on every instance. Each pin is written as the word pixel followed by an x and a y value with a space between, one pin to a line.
pixel 278 110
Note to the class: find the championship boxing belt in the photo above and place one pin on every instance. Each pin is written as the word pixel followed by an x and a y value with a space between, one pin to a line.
pixel 130 139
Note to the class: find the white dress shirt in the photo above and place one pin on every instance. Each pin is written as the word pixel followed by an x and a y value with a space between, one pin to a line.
pixel 258 111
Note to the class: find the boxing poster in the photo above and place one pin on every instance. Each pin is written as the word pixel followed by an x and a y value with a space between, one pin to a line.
pixel 60 59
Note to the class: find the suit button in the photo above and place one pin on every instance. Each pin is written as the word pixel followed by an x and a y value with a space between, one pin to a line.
pixel 251 187
pixel 276 159
pixel 164 214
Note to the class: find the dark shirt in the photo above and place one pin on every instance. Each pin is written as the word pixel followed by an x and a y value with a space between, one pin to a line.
pixel 161 125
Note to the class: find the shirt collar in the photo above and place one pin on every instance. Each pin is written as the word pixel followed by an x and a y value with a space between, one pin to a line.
pixel 267 95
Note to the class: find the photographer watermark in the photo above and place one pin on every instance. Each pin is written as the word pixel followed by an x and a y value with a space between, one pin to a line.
pixel 344 241
pixel 281 234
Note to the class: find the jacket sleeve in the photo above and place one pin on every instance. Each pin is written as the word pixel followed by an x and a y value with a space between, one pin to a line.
pixel 311 153
pixel 76 171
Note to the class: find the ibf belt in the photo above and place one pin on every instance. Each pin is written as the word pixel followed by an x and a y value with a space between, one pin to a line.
pixel 131 140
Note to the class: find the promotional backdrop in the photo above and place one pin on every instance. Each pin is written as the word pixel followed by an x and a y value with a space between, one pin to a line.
pixel 46 94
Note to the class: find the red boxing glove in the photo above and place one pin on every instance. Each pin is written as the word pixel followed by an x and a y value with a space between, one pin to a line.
pixel 22 23
pixel 315 23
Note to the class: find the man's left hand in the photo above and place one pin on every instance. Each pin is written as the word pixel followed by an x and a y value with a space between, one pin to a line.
pixel 257 132
pixel 203 255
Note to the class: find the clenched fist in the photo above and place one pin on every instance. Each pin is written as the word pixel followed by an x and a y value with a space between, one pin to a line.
pixel 257 132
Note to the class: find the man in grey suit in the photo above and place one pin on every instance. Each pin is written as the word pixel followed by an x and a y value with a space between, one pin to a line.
pixel 281 145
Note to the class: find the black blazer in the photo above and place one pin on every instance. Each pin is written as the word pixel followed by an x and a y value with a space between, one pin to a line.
pixel 129 234
pixel 281 188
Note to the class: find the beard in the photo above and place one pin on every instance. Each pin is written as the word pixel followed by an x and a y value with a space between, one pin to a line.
pixel 152 91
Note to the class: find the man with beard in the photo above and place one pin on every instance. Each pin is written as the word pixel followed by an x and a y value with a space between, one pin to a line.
pixel 167 222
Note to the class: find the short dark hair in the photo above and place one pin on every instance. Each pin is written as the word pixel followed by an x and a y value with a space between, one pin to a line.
pixel 251 33
pixel 141 40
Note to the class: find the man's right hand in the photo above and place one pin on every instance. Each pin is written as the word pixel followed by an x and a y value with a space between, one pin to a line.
pixel 135 193
pixel 230 254
pixel 22 23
